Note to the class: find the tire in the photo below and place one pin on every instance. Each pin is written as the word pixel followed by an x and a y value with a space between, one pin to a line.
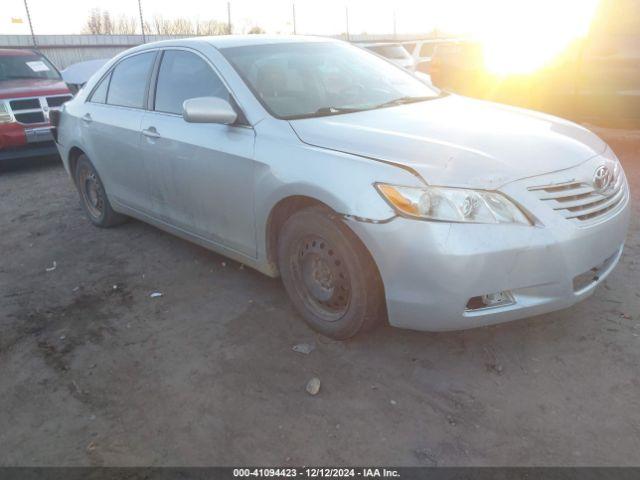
pixel 93 196
pixel 329 275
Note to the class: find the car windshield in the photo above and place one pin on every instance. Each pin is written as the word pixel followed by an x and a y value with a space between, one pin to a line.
pixel 16 67
pixel 302 80
pixel 395 52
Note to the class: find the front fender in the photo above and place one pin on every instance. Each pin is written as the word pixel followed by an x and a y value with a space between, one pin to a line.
pixel 287 167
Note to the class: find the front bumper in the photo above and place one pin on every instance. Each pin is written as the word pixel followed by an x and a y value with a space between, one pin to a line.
pixel 18 141
pixel 431 270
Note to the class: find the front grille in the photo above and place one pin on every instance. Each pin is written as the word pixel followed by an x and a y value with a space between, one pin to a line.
pixel 28 104
pixel 580 201
pixel 57 101
pixel 31 117
pixel 28 111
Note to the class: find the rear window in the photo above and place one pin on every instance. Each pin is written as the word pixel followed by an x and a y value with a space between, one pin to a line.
pixel 17 67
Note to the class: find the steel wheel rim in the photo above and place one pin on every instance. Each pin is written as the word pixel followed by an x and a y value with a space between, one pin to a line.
pixel 91 190
pixel 320 278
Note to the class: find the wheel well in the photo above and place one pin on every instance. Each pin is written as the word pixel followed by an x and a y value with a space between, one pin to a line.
pixel 279 214
pixel 73 160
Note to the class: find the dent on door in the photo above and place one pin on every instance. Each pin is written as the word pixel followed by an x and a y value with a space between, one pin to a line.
pixel 202 179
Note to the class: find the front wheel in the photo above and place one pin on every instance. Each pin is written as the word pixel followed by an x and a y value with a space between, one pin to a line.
pixel 329 275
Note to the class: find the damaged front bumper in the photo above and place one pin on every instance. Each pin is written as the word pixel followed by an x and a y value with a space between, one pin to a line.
pixel 436 274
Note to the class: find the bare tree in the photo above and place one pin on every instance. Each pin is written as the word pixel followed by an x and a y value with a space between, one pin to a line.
pixel 100 22
pixel 174 26
pixel 255 30
pixel 107 23
pixel 94 22
pixel 184 26
pixel 212 27
pixel 125 25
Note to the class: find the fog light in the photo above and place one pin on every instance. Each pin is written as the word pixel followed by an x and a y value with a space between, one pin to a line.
pixel 491 300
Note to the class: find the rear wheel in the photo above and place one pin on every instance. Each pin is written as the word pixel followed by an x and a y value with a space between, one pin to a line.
pixel 329 275
pixel 93 196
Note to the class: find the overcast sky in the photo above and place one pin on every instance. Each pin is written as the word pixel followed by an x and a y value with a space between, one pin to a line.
pixel 313 16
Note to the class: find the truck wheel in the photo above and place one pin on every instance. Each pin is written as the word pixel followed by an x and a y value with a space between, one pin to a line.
pixel 329 275
pixel 93 196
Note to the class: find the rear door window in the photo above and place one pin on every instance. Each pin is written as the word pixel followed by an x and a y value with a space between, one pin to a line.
pixel 129 81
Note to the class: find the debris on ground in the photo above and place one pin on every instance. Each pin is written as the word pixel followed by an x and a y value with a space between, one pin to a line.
pixel 52 267
pixel 156 295
pixel 313 386
pixel 91 447
pixel 304 348
pixel 224 264
pixel 393 402
pixel 426 457
pixel 495 368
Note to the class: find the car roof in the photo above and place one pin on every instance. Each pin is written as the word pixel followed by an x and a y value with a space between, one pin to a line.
pixel 224 41
pixel 228 41
pixel 14 52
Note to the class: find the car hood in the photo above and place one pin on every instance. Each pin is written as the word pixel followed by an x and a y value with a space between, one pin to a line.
pixel 31 87
pixel 457 141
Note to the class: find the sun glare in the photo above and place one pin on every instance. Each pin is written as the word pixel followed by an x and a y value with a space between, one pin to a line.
pixel 521 36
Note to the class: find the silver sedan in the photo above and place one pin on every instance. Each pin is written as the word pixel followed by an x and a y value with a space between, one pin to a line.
pixel 374 196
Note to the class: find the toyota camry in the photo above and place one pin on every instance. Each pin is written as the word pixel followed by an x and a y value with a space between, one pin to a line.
pixel 373 196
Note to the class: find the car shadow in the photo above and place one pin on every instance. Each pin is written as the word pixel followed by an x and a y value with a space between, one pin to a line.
pixel 35 163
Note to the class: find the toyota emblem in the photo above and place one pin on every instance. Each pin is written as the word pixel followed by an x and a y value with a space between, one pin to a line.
pixel 603 179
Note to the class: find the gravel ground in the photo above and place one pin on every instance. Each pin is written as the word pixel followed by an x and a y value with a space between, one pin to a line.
pixel 95 372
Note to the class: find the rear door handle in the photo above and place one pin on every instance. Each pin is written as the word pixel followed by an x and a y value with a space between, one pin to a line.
pixel 151 132
pixel 87 118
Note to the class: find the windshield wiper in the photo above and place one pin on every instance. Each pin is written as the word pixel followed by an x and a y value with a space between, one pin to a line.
pixel 326 111
pixel 407 100
pixel 332 110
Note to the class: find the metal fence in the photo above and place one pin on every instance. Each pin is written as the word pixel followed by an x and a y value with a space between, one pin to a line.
pixel 65 50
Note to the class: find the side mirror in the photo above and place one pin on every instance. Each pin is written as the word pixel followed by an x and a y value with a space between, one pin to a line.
pixel 208 110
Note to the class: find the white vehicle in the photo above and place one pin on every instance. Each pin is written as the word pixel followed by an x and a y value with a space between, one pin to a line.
pixel 422 52
pixel 373 195
pixel 78 74
pixel 394 52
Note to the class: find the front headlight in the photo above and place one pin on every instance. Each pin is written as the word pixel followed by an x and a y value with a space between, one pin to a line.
pixel 453 204
pixel 5 116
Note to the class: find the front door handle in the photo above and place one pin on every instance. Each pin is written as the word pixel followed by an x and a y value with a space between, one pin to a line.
pixel 151 132
pixel 87 118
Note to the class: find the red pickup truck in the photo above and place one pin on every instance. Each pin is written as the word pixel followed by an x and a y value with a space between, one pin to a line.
pixel 30 88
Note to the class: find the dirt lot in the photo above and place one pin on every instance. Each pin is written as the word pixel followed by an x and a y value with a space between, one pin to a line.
pixel 95 372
